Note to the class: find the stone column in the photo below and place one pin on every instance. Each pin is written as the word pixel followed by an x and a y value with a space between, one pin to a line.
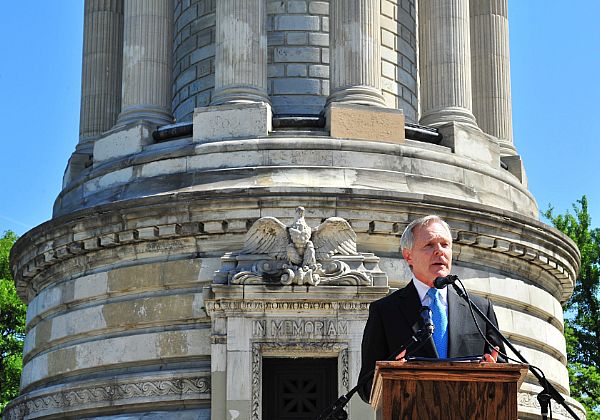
pixel 241 52
pixel 445 62
pixel 147 61
pixel 490 64
pixel 102 67
pixel 355 58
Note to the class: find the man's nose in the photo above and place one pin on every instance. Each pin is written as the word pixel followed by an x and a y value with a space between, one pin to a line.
pixel 437 249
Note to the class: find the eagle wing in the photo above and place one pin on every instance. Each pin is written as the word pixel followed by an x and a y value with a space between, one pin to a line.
pixel 334 236
pixel 267 236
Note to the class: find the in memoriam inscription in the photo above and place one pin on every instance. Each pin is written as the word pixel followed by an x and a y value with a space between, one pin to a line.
pixel 299 328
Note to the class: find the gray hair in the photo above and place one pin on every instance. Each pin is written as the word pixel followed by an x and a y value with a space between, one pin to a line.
pixel 407 241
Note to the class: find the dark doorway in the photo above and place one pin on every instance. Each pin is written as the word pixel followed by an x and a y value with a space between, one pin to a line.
pixel 298 388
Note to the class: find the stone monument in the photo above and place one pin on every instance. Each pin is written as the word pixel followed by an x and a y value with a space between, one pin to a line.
pixel 178 277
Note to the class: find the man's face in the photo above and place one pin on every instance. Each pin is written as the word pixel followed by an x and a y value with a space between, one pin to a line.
pixel 431 255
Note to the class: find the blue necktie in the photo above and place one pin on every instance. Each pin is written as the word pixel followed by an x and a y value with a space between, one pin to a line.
pixel 440 321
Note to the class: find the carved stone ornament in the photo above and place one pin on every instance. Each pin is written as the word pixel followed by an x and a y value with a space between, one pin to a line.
pixel 110 394
pixel 274 253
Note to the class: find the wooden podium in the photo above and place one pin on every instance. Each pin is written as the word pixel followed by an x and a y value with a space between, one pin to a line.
pixel 446 390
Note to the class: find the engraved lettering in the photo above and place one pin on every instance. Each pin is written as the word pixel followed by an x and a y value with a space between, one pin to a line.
pixel 258 328
pixel 276 329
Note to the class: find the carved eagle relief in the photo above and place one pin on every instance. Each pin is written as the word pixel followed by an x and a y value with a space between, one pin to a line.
pixel 269 236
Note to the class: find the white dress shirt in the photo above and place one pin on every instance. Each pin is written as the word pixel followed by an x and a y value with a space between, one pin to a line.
pixel 422 289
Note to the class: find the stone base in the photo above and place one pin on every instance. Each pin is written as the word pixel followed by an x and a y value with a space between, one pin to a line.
pixel 123 141
pixel 361 122
pixel 515 167
pixel 470 142
pixel 223 122
pixel 76 165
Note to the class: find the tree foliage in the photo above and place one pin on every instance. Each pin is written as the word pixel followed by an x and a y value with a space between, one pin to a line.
pixel 582 324
pixel 12 326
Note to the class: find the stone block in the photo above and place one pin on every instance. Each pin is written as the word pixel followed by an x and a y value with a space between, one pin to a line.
pixel 317 38
pixel 470 142
pixel 515 167
pixel 318 8
pixel 276 70
pixel 203 53
pixel 360 122
pixel 325 56
pixel 388 69
pixel 299 86
pixel 275 38
pixel 162 167
pixel 297 6
pixel 296 55
pixel 150 232
pixel 223 122
pixel 78 162
pixel 388 38
pixel 296 23
pixel 319 71
pixel 297 38
pixel 122 142
pixel 296 70
pixel 388 9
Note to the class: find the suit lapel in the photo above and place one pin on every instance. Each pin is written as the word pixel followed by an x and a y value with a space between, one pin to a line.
pixel 458 317
pixel 409 305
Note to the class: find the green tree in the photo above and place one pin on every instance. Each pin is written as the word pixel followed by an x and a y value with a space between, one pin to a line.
pixel 582 324
pixel 12 326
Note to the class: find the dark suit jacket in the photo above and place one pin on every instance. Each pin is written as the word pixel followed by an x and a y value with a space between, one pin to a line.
pixel 394 319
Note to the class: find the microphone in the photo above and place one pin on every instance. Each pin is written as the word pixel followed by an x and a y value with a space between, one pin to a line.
pixel 425 320
pixel 426 325
pixel 441 282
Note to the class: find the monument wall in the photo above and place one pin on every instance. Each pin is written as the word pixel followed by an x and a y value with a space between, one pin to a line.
pixel 351 109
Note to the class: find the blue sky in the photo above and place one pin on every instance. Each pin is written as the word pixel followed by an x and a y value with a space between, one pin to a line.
pixel 554 58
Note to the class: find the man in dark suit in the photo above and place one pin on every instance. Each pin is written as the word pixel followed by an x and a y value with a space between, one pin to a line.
pixel 427 248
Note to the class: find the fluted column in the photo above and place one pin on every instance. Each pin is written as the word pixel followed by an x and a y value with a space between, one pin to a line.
pixel 445 62
pixel 241 52
pixel 490 64
pixel 102 67
pixel 147 61
pixel 355 58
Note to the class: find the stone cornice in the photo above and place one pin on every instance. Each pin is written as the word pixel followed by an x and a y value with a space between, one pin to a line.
pixel 180 224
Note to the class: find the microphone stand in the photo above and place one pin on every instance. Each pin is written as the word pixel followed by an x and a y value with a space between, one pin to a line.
pixel 548 391
pixel 336 410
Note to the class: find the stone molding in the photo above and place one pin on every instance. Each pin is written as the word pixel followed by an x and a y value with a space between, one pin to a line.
pixel 529 401
pixel 72 399
pixel 186 160
pixel 66 239
pixel 230 306
pixel 296 348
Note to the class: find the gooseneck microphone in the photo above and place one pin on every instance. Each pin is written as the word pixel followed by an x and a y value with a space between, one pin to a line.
pixel 548 391
pixel 441 282
pixel 419 338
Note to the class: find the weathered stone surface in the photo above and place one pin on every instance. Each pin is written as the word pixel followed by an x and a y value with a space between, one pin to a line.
pixel 122 142
pixel 365 123
pixel 232 121
pixel 471 143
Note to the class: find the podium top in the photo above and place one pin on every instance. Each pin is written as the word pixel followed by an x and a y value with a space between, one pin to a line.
pixel 445 371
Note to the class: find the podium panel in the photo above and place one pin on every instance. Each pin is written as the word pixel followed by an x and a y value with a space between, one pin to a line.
pixel 446 390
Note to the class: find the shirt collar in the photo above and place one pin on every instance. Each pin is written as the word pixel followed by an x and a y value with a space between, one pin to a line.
pixel 422 289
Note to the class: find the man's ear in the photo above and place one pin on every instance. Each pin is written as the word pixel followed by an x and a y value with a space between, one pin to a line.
pixel 407 257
